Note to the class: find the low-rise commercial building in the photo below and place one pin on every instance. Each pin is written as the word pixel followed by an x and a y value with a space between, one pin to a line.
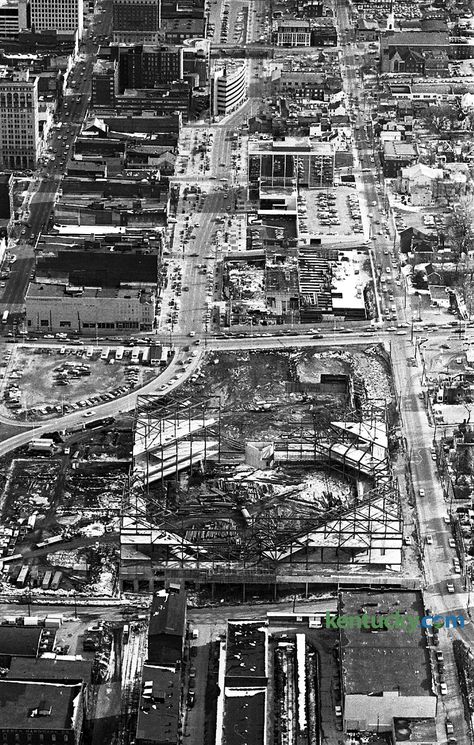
pixel 243 680
pixel 167 629
pixel 159 712
pixel 292 33
pixel 385 674
pixel 398 155
pixel 289 162
pixel 40 713
pixel 92 293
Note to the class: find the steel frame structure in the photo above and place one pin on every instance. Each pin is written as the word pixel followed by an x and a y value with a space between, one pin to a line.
pixel 271 540
pixel 160 424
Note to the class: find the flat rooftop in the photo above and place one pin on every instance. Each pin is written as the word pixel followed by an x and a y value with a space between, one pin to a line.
pixel 49 669
pixel 19 641
pixel 39 290
pixel 54 702
pixel 246 650
pixel 159 710
pixel 290 145
pixel 414 730
pixel 244 718
pixel 386 660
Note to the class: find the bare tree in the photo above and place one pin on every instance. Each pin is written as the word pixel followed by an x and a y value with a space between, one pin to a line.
pixel 460 231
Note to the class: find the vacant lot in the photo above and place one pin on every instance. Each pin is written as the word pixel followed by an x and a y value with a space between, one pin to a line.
pixel 266 395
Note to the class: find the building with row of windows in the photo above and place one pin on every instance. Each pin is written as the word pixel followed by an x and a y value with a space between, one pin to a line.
pixel 19 128
pixel 288 162
pixel 228 87
pixel 63 15
pixel 14 16
pixel 92 293
pixel 136 22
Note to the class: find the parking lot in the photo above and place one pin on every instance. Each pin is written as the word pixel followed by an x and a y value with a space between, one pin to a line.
pixel 333 213
pixel 36 384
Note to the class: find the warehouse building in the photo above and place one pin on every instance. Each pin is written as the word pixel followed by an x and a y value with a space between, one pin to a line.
pixel 93 293
pixel 385 674
pixel 159 713
pixel 242 683
pixel 167 629
pixel 40 713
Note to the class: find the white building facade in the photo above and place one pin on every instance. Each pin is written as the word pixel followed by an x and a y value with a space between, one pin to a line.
pixel 61 15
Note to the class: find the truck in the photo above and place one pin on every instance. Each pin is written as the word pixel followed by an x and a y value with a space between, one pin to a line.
pixel 119 353
pixel 5 315
pixel 105 353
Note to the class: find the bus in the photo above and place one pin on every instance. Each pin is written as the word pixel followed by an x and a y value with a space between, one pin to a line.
pixel 119 353
pixel 105 353
pixel 135 356
pixel 5 315
pixel 89 352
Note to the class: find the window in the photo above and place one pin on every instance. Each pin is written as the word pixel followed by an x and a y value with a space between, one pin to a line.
pixel 44 323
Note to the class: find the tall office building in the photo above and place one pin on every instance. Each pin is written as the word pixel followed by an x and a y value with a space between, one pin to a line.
pixel 19 135
pixel 14 15
pixel 146 66
pixel 136 21
pixel 61 15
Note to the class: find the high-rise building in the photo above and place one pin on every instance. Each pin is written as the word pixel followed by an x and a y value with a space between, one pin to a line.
pixel 228 87
pixel 62 15
pixel 104 82
pixel 14 15
pixel 146 66
pixel 19 134
pixel 135 21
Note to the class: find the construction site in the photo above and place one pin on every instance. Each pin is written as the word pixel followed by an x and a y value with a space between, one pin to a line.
pixel 300 505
